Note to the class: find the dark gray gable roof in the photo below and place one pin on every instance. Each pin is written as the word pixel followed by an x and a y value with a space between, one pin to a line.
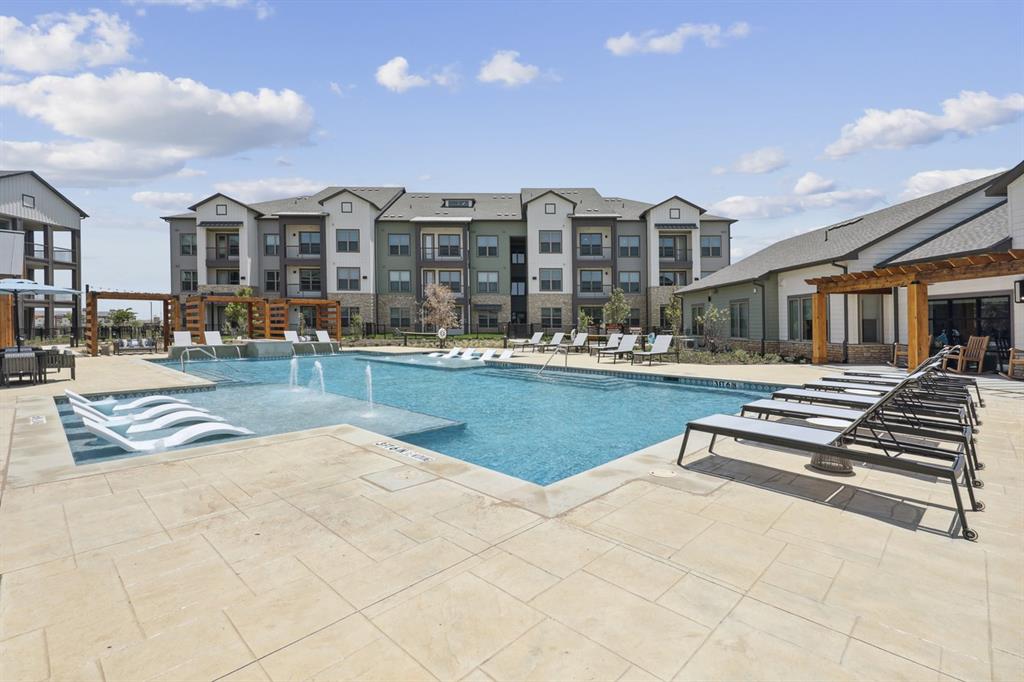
pixel 983 232
pixel 11 173
pixel 709 218
pixel 700 210
pixel 380 197
pixel 486 206
pixel 998 188
pixel 221 194
pixel 550 191
pixel 839 241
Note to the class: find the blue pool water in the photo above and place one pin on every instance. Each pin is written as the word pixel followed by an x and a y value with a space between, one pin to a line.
pixel 540 429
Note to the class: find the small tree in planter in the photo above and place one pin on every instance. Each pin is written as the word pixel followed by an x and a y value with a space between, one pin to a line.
pixel 583 320
pixel 237 314
pixel 674 315
pixel 355 326
pixel 616 310
pixel 715 321
pixel 438 309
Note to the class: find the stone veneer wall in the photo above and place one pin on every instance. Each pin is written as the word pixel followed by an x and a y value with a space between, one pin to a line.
pixel 640 301
pixel 858 353
pixel 534 302
pixel 365 302
pixel 389 301
pixel 657 297
pixel 503 300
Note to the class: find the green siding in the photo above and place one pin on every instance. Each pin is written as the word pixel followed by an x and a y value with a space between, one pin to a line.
pixel 502 263
pixel 723 296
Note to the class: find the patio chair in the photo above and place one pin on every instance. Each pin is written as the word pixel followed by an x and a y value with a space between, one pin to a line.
pixel 183 339
pixel 579 343
pixel 290 335
pixel 450 354
pixel 19 364
pixel 324 337
pixel 213 339
pixel 467 354
pixel 660 348
pixel 487 354
pixel 624 348
pixel 974 352
pixel 613 342
pixel 901 351
pixel 132 425
pixel 1015 360
pixel 530 343
pixel 505 354
pixel 57 361
pixel 553 344
pixel 127 405
pixel 180 437
pixel 83 410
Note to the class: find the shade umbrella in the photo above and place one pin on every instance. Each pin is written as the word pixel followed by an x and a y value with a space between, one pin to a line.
pixel 16 287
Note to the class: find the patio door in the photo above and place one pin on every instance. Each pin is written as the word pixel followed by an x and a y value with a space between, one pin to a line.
pixel 227 245
pixel 428 246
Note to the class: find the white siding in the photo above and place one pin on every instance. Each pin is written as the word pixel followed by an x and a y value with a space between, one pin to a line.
pixel 248 237
pixel 537 220
pixel 361 218
pixel 660 214
pixel 49 207
pixel 792 283
pixel 1015 197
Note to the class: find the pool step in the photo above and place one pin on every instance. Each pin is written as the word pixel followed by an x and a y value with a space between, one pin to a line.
pixel 595 381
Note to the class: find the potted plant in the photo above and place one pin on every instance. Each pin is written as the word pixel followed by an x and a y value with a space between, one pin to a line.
pixel 583 320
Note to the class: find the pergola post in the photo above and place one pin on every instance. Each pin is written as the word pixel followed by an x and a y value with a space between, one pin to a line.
pixel 917 323
pixel 266 319
pixel 93 324
pixel 819 328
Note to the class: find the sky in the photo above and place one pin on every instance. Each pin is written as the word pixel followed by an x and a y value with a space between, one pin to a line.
pixel 786 116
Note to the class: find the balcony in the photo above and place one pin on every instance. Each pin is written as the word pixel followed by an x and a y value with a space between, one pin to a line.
pixel 222 256
pixel 303 252
pixel 458 291
pixel 297 290
pixel 593 290
pixel 58 253
pixel 681 257
pixel 593 253
pixel 442 253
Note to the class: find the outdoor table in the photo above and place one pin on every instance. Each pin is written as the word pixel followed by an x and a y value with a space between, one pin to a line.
pixel 830 463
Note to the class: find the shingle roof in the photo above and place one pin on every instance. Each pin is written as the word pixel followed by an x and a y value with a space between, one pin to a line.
pixel 378 196
pixel 985 231
pixel 11 173
pixel 834 242
pixel 486 206
pixel 998 188
pixel 587 199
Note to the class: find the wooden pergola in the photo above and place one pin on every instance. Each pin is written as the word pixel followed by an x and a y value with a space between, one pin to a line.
pixel 171 313
pixel 268 317
pixel 915 277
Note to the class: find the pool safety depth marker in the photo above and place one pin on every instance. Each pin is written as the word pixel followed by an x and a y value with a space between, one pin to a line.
pixel 404 451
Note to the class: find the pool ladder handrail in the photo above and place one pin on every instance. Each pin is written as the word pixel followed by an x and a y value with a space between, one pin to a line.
pixel 188 352
pixel 557 350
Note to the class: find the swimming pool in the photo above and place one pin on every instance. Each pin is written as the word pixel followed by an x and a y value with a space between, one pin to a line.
pixel 539 428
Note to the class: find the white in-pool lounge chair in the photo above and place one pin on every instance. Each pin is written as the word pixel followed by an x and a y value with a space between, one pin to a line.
pixel 468 354
pixel 85 411
pixel 625 347
pixel 213 339
pixel 324 337
pixel 505 354
pixel 292 336
pixel 126 405
pixel 129 424
pixel 553 344
pixel 487 354
pixel 183 339
pixel 660 348
pixel 450 354
pixel 530 343
pixel 183 436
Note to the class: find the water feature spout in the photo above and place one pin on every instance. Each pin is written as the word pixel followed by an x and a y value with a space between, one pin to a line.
pixel 317 381
pixel 369 386
pixel 293 373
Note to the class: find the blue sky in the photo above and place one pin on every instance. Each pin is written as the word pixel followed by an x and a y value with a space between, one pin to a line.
pixel 729 105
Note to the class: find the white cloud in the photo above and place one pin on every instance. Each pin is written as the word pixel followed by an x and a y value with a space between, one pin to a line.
pixel 763 160
pixel 812 192
pixel 166 201
pixel 116 134
pixel 968 113
pixel 928 182
pixel 269 188
pixel 505 68
pixel 64 42
pixel 340 89
pixel 190 173
pixel 262 8
pixel 448 77
pixel 812 183
pixel 394 75
pixel 674 41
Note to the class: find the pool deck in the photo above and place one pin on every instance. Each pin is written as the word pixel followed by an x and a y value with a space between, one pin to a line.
pixel 332 555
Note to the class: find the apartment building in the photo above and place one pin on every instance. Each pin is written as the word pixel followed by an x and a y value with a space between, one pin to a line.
pixel 532 257
pixel 42 241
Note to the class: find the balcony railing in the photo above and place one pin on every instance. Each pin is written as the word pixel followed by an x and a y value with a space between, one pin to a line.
pixel 593 290
pixel 588 252
pixel 222 253
pixel 305 291
pixel 303 251
pixel 436 253
pixel 60 253
pixel 675 255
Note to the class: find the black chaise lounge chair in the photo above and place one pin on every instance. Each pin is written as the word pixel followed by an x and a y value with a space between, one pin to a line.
pixel 885 451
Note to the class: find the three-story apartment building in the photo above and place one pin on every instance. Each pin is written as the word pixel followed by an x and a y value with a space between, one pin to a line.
pixel 533 257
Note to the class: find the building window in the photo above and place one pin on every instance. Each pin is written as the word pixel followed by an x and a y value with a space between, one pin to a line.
pixel 487 319
pixel 634 317
pixel 798 318
pixel 28 201
pixel 551 279
pixel 590 244
pixel 399 280
pixel 518 288
pixel 271 244
pixel 346 207
pixel 666 247
pixel 451 279
pixel 551 318
pixel 674 214
pixel 550 241
pixel 629 246
pixel 595 313
pixel 449 246
pixel 400 318
pixel 673 278
pixel 188 244
pixel 309 243
pixel 663 318
pixel 272 280
pixel 487 282
pixel 348 241
pixel 549 209
pixel 958 319
pixel 711 246
pixel 870 318
pixel 696 319
pixel 189 280
pixel 347 313
pixel 629 282
pixel 486 246
pixel 227 277
pixel 348 279
pixel 222 209
pixel 309 279
pixel 457 203
pixel 591 281
pixel 739 319
pixel 398 245
pixel 518 258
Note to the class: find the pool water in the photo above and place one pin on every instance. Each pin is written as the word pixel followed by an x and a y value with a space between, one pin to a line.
pixel 507 418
